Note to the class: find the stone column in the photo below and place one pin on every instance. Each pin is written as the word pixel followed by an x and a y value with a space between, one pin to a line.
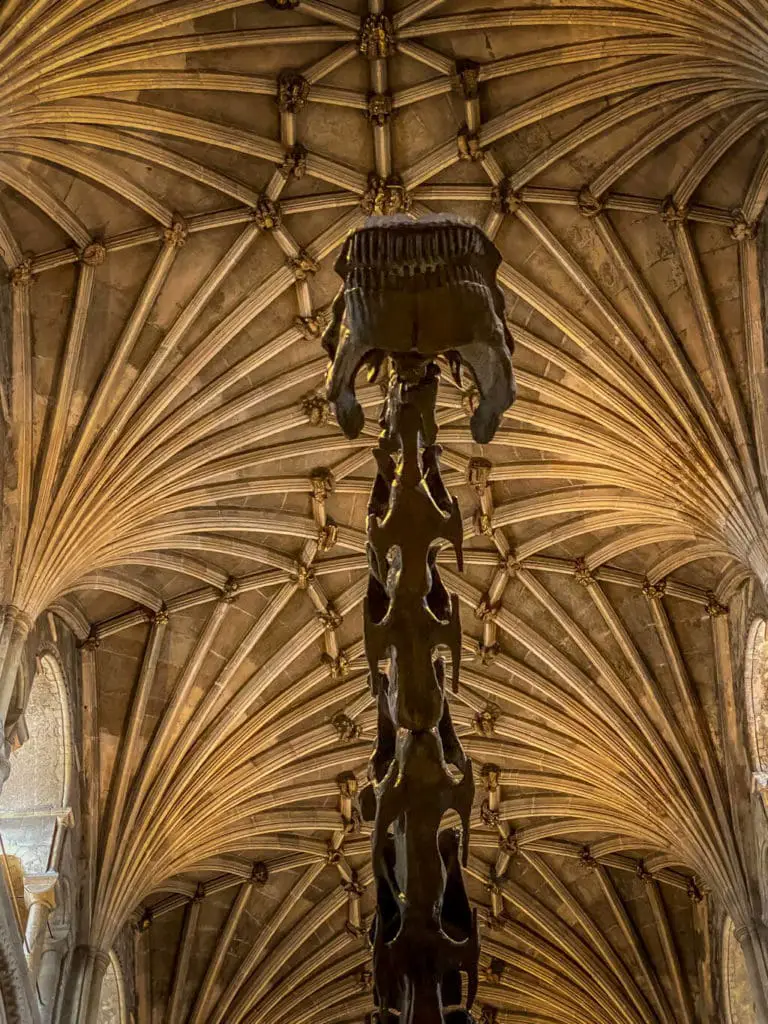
pixel 49 977
pixel 83 993
pixel 5 758
pixel 13 636
pixel 40 897
pixel 753 939
pixel 99 965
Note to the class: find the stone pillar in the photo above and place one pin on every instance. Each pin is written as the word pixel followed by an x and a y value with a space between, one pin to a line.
pixel 753 939
pixel 99 965
pixel 49 978
pixel 5 758
pixel 40 897
pixel 13 636
pixel 83 994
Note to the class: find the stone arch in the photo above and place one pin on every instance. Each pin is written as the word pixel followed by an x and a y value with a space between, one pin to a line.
pixel 737 991
pixel 756 696
pixel 38 791
pixel 113 1005
pixel 41 767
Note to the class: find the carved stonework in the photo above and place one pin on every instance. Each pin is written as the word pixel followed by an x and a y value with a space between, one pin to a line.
pixel 303 576
pixel 347 783
pixel 321 482
pixel 588 204
pixel 582 573
pixel 509 844
pixel 260 873
pixel 327 536
pixel 177 234
pixel 345 727
pixel 469 78
pixel 385 197
pixel 144 922
pixel 316 409
pixel 504 199
pixel 495 971
pixel 490 774
pixel 311 327
pixel 267 213
pixel 489 816
pixel 742 230
pixel 377 37
pixel 642 872
pixel 486 719
pixel 485 611
pixel 654 591
pixel 294 163
pixel 714 608
pixel 483 524
pixel 671 213
pixel 586 858
pixel 510 566
pixel 339 665
pixel 93 255
pixel 91 643
pixel 487 654
pixel 468 145
pixel 479 474
pixel 695 895
pixel 16 993
pixel 229 590
pixel 330 618
pixel 21 274
pixel 292 92
pixel 303 265
pixel 379 108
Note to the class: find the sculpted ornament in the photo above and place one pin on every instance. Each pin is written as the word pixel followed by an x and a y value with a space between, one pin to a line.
pixel 379 108
pixel 504 199
pixel 292 92
pixel 267 213
pixel 377 37
pixel 21 274
pixel 385 197
pixel 294 163
pixel 93 255
pixel 468 145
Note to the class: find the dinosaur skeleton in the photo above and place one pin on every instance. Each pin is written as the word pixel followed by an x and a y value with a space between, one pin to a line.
pixel 413 291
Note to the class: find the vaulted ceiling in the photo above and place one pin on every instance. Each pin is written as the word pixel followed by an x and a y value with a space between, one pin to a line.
pixel 178 492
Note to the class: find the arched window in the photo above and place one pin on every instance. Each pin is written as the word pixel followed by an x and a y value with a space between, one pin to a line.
pixel 37 792
pixel 739 1007
pixel 756 698
pixel 112 1009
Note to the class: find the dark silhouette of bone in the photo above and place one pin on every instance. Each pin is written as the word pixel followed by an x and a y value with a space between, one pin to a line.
pixel 420 288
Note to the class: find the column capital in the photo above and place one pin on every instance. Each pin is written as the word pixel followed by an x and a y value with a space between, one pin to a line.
pixel 100 960
pixel 41 889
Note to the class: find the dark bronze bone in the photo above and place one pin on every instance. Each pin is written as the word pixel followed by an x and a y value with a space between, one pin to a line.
pixel 412 292
pixel 421 288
